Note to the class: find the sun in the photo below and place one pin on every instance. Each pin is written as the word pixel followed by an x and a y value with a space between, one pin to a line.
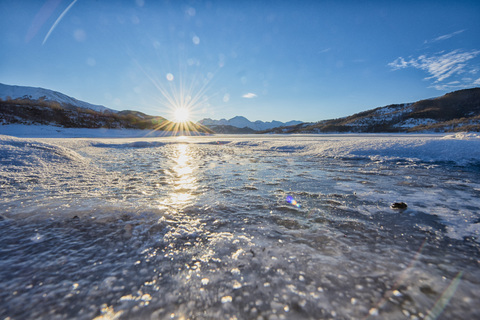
pixel 181 114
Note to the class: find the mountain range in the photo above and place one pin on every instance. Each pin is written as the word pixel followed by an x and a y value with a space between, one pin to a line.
pixel 242 123
pixel 28 105
pixel 455 111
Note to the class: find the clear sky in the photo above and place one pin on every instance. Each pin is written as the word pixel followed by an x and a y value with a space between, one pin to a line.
pixel 265 60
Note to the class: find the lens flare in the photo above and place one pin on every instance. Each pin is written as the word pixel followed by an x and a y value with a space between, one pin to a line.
pixel 292 201
pixel 182 96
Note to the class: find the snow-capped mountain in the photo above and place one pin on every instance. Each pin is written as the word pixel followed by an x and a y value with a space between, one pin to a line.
pixel 33 106
pixel 8 92
pixel 242 122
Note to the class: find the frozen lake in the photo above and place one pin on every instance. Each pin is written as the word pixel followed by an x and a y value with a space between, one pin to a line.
pixel 240 227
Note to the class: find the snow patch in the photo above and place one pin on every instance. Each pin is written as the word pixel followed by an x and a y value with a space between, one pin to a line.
pixel 413 122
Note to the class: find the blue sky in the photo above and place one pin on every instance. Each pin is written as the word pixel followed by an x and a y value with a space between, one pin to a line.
pixel 265 60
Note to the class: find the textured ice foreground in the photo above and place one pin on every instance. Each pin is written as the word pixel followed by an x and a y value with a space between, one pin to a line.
pixel 201 227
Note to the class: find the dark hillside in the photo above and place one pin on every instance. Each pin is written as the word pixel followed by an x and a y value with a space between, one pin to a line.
pixel 455 111
pixel 458 104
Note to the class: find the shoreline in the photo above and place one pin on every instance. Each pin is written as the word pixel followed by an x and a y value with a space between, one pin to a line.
pixel 46 131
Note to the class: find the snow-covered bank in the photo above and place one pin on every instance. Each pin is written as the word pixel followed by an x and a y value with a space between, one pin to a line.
pixel 41 131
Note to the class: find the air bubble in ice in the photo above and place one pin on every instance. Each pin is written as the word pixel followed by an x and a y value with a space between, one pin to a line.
pixel 373 312
pixel 236 284
pixel 235 271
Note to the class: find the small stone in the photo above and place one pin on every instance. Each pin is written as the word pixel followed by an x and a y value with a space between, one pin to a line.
pixel 399 205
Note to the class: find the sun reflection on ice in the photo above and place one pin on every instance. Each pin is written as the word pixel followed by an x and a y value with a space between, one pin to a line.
pixel 182 178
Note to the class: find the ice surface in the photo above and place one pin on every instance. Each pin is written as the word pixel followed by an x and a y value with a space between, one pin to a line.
pixel 209 227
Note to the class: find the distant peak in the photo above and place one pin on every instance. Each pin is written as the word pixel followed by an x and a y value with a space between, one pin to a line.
pixel 239 118
pixel 242 122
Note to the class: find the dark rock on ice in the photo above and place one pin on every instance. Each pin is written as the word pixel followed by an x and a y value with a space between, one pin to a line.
pixel 399 205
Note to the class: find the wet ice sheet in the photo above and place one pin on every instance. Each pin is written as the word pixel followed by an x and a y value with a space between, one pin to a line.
pixel 201 227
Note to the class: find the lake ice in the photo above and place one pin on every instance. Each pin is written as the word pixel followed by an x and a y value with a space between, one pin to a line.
pixel 240 227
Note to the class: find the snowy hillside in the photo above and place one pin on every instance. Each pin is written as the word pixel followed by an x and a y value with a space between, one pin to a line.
pixel 455 111
pixel 8 92
pixel 242 122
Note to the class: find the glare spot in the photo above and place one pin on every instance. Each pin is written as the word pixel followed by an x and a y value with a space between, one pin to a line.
pixel 169 77
pixel 91 62
pixel 292 201
pixel 191 12
pixel 181 114
pixel 226 299
pixel 135 20
pixel 221 60
pixel 80 35
pixel 196 40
